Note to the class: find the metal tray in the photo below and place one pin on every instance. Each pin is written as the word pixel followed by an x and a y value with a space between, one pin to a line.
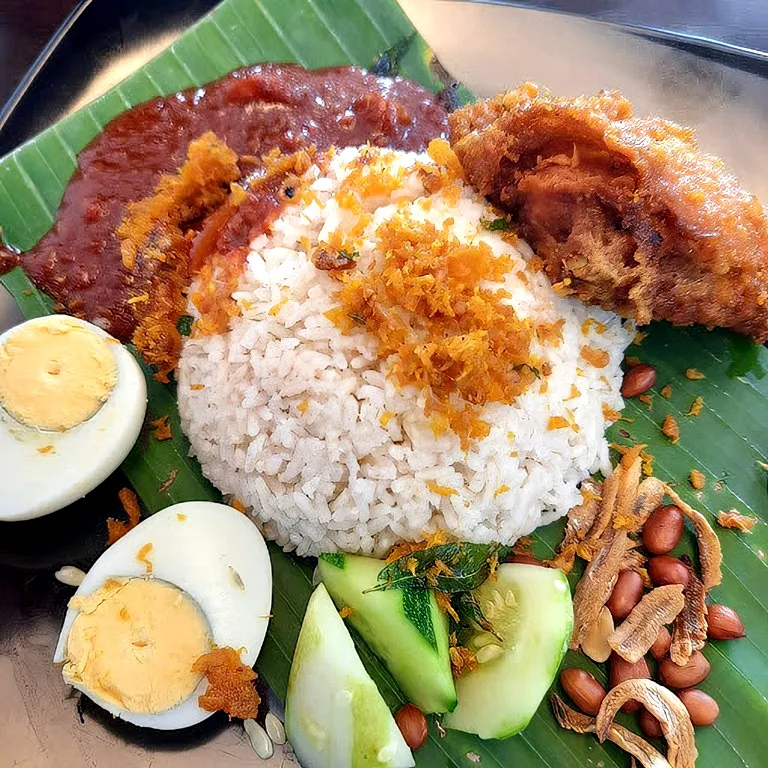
pixel 710 74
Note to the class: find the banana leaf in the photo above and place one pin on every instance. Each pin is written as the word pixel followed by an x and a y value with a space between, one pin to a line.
pixel 727 441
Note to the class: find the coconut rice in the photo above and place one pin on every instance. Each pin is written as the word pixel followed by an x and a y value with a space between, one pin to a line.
pixel 304 425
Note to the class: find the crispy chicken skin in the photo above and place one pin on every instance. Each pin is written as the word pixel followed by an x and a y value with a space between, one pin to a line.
pixel 625 212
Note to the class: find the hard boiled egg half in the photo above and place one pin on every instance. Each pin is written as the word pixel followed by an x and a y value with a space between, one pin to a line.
pixel 189 579
pixel 72 404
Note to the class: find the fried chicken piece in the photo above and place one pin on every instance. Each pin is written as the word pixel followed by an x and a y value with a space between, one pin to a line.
pixel 625 212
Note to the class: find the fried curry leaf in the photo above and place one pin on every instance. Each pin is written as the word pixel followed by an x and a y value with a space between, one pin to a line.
pixel 470 613
pixel 449 568
pixel 496 225
pixel 184 324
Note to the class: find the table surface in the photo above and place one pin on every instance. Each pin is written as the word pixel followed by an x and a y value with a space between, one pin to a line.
pixel 41 724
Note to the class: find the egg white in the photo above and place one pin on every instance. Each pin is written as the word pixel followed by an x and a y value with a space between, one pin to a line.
pixel 33 483
pixel 219 558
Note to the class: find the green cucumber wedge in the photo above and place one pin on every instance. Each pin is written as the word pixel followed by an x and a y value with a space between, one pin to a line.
pixel 404 627
pixel 530 608
pixel 335 716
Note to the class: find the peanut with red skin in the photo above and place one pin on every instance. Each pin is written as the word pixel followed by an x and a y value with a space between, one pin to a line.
pixel 723 623
pixel 649 725
pixel 661 644
pixel 584 690
pixel 663 529
pixel 621 670
pixel 638 380
pixel 412 724
pixel 702 708
pixel 626 594
pixel 688 675
pixel 664 570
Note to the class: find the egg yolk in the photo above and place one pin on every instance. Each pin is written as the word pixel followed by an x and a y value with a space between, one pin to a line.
pixel 55 374
pixel 134 644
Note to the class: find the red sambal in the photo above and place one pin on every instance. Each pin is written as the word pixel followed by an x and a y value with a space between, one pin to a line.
pixel 254 110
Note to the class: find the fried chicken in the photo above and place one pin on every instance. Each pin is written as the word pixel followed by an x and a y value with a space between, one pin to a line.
pixel 625 212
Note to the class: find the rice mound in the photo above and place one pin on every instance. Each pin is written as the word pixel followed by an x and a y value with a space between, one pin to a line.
pixel 303 424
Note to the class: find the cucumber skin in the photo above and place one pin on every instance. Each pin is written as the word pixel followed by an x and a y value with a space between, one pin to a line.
pixel 483 692
pixel 335 716
pixel 421 669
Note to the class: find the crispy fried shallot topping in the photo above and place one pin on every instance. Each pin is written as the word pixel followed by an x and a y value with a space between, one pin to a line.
pixel 462 660
pixel 594 588
pixel 664 706
pixel 637 633
pixel 434 314
pixel 733 519
pixel 152 239
pixel 690 631
pixel 710 553
pixel 116 529
pixel 630 742
pixel 230 684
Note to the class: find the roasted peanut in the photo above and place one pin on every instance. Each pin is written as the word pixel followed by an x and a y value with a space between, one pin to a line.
pixel 585 691
pixel 595 642
pixel 686 676
pixel 663 529
pixel 664 569
pixel 702 708
pixel 638 380
pixel 412 724
pixel 723 623
pixel 649 725
pixel 660 647
pixel 626 594
pixel 624 670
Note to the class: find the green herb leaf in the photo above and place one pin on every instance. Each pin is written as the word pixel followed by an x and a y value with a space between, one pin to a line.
pixel 449 568
pixel 184 324
pixel 496 225
pixel 354 255
pixel 470 613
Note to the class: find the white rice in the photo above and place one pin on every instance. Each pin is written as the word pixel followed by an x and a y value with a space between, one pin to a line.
pixel 290 417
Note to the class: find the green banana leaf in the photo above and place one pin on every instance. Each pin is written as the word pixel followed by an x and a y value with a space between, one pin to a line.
pixel 726 441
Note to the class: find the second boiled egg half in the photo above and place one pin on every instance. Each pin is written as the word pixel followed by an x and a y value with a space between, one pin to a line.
pixel 72 404
pixel 191 579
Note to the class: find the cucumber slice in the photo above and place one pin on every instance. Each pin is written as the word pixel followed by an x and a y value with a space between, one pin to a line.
pixel 404 627
pixel 530 608
pixel 335 716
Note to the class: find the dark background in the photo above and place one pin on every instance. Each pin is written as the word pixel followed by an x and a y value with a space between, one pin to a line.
pixel 25 27
pixel 106 28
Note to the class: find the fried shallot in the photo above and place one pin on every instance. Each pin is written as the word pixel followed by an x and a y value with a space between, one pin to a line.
pixel 733 519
